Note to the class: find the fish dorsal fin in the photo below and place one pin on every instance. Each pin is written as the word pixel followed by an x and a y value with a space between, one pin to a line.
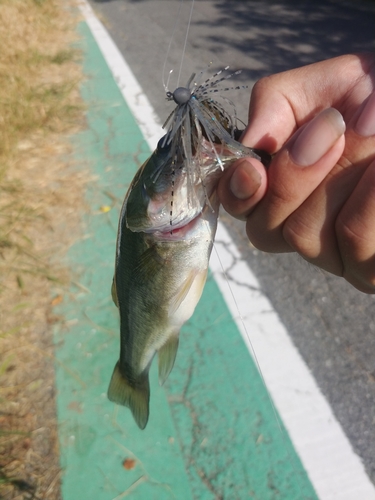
pixel 167 355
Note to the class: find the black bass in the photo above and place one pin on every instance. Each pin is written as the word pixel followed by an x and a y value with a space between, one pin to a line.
pixel 166 231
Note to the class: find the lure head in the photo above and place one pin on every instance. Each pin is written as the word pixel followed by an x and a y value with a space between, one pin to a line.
pixel 181 95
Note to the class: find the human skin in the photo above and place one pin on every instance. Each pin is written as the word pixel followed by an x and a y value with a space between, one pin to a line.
pixel 317 198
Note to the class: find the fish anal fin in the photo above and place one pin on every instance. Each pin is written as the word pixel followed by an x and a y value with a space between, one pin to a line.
pixel 135 396
pixel 167 355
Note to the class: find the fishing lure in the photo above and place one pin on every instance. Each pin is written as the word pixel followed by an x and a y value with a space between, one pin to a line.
pixel 196 108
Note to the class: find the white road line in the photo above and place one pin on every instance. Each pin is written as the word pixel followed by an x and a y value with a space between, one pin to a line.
pixel 335 471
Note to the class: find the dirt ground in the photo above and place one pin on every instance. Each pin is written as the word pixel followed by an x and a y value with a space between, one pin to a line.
pixel 41 193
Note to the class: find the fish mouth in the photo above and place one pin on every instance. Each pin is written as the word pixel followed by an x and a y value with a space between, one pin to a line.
pixel 179 232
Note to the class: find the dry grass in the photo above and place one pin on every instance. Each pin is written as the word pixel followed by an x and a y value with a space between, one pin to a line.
pixel 40 203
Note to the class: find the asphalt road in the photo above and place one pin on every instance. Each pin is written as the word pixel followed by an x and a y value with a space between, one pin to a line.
pixel 332 324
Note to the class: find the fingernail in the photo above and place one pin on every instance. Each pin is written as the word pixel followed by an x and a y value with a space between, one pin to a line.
pixel 245 180
pixel 365 125
pixel 317 138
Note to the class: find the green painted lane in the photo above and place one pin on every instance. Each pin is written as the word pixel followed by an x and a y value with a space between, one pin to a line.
pixel 212 432
pixel 94 441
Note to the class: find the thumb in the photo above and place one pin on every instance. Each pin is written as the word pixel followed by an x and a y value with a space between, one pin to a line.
pixel 242 186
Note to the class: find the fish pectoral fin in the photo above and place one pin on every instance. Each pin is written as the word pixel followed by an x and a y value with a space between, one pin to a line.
pixel 193 285
pixel 135 396
pixel 182 293
pixel 167 355
pixel 114 292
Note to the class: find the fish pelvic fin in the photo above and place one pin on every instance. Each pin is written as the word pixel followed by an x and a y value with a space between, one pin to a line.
pixel 135 396
pixel 167 355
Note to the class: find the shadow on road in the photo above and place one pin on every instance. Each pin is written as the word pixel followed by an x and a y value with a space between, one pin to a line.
pixel 289 34
pixel 280 35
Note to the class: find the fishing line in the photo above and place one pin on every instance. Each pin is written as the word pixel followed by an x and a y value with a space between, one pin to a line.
pixel 283 432
pixel 249 339
pixel 186 38
pixel 165 84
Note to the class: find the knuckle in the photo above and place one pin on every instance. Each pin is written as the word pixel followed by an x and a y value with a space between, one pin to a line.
pixel 261 85
pixel 364 282
pixel 301 238
pixel 370 283
pixel 349 233
pixel 264 239
pixel 359 261
pixel 281 193
pixel 258 238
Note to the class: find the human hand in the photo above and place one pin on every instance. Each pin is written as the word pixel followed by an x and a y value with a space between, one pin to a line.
pixel 318 196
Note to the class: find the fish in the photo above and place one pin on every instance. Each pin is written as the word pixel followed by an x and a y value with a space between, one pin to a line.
pixel 165 237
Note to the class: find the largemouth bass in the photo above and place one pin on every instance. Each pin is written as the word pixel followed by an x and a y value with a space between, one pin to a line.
pixel 166 231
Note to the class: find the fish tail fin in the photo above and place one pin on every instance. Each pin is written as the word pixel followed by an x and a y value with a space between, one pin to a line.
pixel 167 355
pixel 135 396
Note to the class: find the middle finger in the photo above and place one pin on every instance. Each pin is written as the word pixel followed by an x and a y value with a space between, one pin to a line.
pixel 294 174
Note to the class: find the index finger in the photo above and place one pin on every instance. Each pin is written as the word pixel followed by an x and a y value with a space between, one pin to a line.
pixel 282 103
